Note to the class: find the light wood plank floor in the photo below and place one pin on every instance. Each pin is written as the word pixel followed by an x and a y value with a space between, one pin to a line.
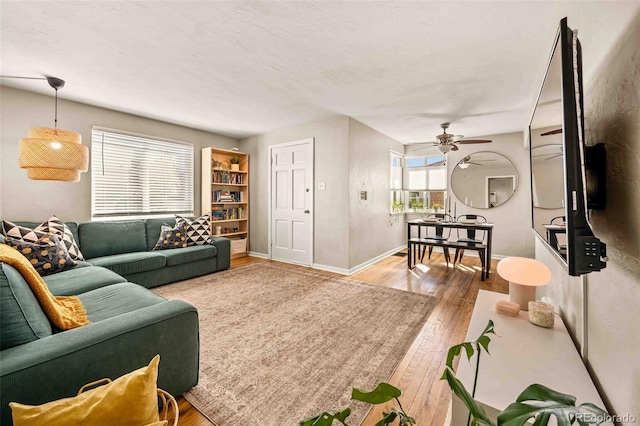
pixel 425 397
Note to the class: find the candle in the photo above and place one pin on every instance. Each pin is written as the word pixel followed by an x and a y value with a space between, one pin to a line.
pixel 541 314
pixel 454 210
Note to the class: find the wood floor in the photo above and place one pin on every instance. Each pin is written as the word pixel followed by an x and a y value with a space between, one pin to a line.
pixel 425 397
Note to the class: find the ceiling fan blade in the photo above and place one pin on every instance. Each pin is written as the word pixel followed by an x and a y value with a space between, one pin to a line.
pixel 475 164
pixel 425 147
pixel 552 132
pixel 456 138
pixel 455 148
pixel 552 157
pixel 470 141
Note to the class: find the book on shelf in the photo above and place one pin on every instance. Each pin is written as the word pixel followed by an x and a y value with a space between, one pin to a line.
pixel 226 176
pixel 222 213
pixel 227 196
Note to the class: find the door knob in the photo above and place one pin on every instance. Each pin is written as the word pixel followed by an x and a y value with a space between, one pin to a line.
pixel 307 212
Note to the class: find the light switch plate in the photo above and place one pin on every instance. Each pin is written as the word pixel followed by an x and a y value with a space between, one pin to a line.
pixel 322 186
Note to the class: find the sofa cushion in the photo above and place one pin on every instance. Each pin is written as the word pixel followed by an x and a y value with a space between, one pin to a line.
pixel 55 226
pixel 31 231
pixel 117 299
pixel 21 318
pixel 48 254
pixel 80 280
pixel 188 254
pixel 172 237
pixel 98 239
pixel 199 232
pixel 153 226
pixel 131 263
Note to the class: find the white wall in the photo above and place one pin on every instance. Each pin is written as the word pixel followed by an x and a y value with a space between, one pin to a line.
pixel 372 230
pixel 25 199
pixel 612 297
pixel 512 235
pixel 331 215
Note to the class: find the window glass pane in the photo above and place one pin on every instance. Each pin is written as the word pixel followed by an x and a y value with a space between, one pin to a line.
pixel 415 162
pixel 139 176
pixel 439 160
pixel 437 178
pixel 416 178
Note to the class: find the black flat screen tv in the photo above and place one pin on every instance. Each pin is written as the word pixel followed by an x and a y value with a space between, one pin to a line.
pixel 567 178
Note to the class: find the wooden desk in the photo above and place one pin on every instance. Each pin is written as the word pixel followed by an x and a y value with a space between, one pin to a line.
pixel 522 355
pixel 488 227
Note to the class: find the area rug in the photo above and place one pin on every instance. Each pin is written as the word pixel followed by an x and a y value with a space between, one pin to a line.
pixel 279 344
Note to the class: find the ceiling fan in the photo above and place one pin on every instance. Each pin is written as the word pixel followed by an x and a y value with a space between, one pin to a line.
pixel 466 162
pixel 552 132
pixel 447 141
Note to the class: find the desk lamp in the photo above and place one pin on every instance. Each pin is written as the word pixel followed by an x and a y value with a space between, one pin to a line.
pixel 524 275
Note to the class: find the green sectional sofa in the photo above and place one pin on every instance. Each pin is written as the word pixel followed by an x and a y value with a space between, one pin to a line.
pixel 129 323
pixel 125 247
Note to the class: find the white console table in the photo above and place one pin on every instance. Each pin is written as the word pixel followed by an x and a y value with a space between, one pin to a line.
pixel 521 354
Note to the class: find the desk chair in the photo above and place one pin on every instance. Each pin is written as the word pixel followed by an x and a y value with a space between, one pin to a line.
pixel 438 235
pixel 474 239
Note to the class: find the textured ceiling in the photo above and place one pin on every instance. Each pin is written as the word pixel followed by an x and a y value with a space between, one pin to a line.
pixel 245 68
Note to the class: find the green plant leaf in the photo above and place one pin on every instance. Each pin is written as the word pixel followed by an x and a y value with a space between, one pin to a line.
pixel 469 347
pixel 387 419
pixel 477 412
pixel 484 341
pixel 538 392
pixel 540 403
pixel 382 393
pixel 326 418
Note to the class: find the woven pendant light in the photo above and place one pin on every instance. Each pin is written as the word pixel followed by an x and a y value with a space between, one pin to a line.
pixel 50 153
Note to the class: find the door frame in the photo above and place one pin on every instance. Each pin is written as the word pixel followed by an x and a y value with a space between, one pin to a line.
pixel 311 142
pixel 488 179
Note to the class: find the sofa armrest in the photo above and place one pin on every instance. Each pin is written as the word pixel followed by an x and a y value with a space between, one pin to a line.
pixel 223 246
pixel 57 366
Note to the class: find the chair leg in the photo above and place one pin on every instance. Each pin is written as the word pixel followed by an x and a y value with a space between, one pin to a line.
pixel 455 256
pixel 446 255
pixel 423 252
pixel 430 250
pixel 482 255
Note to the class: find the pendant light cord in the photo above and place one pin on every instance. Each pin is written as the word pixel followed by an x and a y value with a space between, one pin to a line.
pixel 56 113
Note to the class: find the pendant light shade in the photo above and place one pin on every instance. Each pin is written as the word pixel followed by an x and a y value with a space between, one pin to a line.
pixel 53 154
pixel 50 153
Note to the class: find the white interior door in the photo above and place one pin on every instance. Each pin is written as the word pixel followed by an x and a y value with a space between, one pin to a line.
pixel 292 202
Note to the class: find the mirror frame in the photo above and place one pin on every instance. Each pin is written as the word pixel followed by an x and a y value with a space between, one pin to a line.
pixel 515 175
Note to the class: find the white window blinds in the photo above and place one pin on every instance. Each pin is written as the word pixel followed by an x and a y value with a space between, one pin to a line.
pixel 137 176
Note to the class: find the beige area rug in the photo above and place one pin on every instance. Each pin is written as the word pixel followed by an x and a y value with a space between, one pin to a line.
pixel 278 345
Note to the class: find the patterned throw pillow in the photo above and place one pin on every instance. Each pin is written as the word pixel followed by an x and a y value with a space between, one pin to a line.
pixel 48 254
pixel 199 232
pixel 52 226
pixel 171 238
pixel 55 226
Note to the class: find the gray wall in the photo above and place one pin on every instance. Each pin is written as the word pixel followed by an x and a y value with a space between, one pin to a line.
pixel 512 235
pixel 25 199
pixel 331 211
pixel 611 298
pixel 372 230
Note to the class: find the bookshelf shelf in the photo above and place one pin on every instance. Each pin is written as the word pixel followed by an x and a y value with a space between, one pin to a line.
pixel 225 194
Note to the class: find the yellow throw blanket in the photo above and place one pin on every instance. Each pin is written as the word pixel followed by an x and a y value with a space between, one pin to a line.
pixel 64 312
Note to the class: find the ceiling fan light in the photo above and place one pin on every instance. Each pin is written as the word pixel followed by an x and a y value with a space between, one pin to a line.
pixel 464 165
pixel 445 148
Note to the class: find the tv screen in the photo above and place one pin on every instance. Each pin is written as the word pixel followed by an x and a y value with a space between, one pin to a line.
pixel 558 158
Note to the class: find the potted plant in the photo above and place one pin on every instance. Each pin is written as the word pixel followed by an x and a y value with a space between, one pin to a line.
pixel 397 206
pixel 235 163
pixel 536 402
pixel 437 207
pixel 416 205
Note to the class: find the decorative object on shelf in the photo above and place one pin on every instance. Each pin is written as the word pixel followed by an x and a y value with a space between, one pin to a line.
pixel 536 402
pixel 510 309
pixel 524 275
pixel 541 314
pixel 50 153
pixel 235 163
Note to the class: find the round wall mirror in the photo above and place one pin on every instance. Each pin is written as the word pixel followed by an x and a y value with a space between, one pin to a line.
pixel 547 176
pixel 484 180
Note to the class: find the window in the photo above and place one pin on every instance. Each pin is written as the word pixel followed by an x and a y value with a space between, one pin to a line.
pixel 137 176
pixel 423 183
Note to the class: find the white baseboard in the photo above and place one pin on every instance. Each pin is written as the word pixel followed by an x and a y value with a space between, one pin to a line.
pixel 257 254
pixel 327 268
pixel 370 262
